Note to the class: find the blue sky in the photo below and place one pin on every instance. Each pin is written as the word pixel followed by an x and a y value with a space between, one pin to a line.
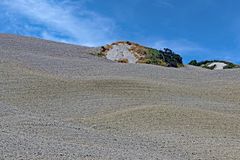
pixel 196 29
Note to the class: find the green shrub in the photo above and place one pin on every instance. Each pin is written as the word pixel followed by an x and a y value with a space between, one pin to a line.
pixel 230 66
pixel 193 63
pixel 101 54
pixel 165 58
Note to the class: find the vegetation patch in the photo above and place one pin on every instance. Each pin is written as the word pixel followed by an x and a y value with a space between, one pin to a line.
pixel 207 64
pixel 124 60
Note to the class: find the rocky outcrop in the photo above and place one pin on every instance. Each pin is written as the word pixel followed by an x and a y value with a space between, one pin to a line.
pixel 129 52
pixel 214 64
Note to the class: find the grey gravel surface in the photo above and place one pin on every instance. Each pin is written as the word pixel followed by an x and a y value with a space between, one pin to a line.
pixel 59 101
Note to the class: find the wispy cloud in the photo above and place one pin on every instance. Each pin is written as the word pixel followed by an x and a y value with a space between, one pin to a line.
pixel 181 45
pixel 74 21
pixel 163 3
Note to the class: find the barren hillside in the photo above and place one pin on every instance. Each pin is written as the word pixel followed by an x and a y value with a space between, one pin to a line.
pixel 59 101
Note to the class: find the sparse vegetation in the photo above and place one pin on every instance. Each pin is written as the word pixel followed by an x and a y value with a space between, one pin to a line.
pixel 123 60
pixel 154 61
pixel 231 65
pixel 100 54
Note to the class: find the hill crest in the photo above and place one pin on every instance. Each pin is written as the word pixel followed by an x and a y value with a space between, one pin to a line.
pixel 130 52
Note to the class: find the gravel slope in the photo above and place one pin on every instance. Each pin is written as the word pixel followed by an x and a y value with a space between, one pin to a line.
pixel 58 101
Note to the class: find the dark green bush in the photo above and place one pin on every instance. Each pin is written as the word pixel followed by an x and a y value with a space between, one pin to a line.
pixel 193 63
pixel 166 57
pixel 230 66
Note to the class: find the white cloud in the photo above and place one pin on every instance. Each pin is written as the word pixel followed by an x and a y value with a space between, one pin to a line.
pixel 81 25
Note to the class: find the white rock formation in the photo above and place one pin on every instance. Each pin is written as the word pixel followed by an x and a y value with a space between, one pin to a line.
pixel 219 65
pixel 121 51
